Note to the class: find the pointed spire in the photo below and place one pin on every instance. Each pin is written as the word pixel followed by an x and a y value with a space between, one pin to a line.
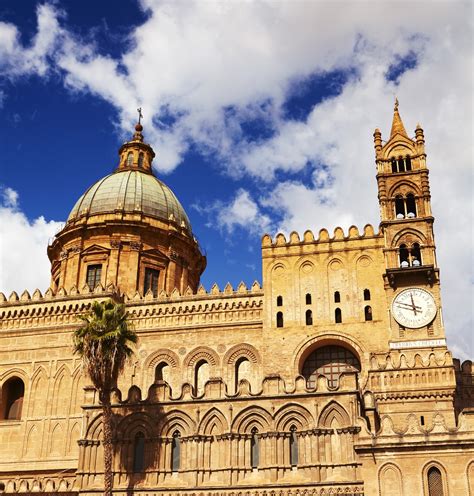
pixel 397 124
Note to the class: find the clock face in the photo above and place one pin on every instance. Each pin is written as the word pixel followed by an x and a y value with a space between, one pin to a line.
pixel 414 308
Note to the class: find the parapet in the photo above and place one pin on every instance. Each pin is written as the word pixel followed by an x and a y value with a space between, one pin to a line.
pixel 323 237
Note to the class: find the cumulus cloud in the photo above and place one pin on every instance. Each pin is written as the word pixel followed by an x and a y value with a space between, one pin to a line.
pixel 240 212
pixel 23 260
pixel 203 70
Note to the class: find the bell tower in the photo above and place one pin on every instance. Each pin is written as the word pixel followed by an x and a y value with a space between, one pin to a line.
pixel 407 226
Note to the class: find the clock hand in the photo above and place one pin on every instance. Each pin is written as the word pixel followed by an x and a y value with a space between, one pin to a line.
pixel 413 304
pixel 407 305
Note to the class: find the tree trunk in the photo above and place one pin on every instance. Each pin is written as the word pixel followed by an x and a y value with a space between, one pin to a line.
pixel 108 452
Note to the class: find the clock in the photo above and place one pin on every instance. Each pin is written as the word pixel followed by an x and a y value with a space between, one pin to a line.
pixel 414 308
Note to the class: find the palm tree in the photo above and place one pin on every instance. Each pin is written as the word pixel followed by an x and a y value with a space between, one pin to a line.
pixel 103 343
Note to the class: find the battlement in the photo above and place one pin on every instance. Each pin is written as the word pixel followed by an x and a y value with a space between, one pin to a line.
pixel 323 237
pixel 165 310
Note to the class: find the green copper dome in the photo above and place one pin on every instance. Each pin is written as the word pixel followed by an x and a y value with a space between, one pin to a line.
pixel 131 191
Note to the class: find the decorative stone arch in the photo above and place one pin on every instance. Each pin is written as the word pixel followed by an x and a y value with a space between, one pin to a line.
pixel 211 419
pixel 194 357
pixel 333 411
pixel 232 358
pixel 72 438
pixel 408 236
pixel 390 480
pixel 36 403
pixel 94 429
pixel 340 339
pixel 130 425
pixel 77 391
pixel 62 374
pixel 176 420
pixel 293 414
pixel 160 356
pixel 253 416
pixel 242 350
pixel 403 188
pixel 332 262
pixel 14 372
pixel 401 146
pixel 56 437
pixel 470 477
pixel 444 475
pixel 201 353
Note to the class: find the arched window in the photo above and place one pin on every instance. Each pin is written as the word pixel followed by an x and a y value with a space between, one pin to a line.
pixel 338 316
pixel 176 451
pixel 368 313
pixel 408 162
pixel 309 317
pixel 139 452
pixel 254 449
pixel 415 255
pixel 13 392
pixel 401 164
pixel 293 447
pixel 435 482
pixel 308 299
pixel 162 372
pixel 279 301
pixel 279 319
pixel 331 362
pixel 242 371
pixel 403 256
pixel 399 207
pixel 201 376
pixel 410 206
pixel 141 157
pixel 366 294
pixel 394 165
pixel 130 158
pixel 337 297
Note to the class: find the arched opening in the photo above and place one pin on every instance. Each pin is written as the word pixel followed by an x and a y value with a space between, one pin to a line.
pixel 162 372
pixel 411 206
pixel 279 301
pixel 368 313
pixel 130 158
pixel 308 299
pixel 329 361
pixel 401 164
pixel 176 451
pixel 309 317
pixel 435 482
pixel 415 255
pixel 279 319
pixel 201 376
pixel 242 371
pixel 394 165
pixel 408 162
pixel 13 392
pixel 141 157
pixel 293 447
pixel 139 452
pixel 403 256
pixel 366 294
pixel 399 207
pixel 338 316
pixel 254 449
pixel 337 297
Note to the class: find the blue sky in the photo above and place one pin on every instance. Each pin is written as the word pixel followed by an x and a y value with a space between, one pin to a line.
pixel 261 115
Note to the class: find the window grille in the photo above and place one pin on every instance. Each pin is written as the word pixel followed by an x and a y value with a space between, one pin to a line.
pixel 435 482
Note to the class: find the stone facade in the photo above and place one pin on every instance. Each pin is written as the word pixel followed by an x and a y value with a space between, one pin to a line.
pixel 306 385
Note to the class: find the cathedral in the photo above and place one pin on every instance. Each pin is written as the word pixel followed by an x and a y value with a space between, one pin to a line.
pixel 331 377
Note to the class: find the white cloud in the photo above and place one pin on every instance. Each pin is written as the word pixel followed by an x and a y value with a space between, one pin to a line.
pixel 240 212
pixel 24 263
pixel 193 61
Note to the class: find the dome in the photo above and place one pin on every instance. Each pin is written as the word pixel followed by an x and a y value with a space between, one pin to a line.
pixel 131 191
